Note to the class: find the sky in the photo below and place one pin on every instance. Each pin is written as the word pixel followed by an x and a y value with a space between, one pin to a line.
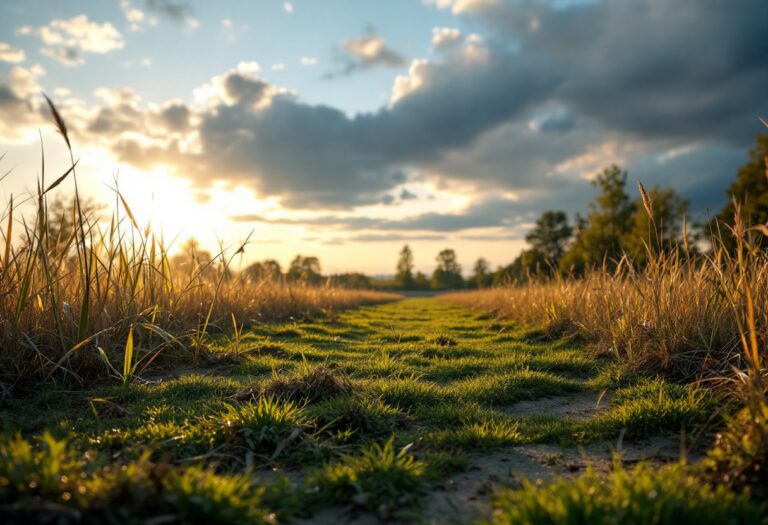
pixel 347 128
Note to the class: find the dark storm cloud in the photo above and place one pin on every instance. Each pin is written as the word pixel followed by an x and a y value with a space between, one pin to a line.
pixel 690 70
pixel 314 155
pixel 486 213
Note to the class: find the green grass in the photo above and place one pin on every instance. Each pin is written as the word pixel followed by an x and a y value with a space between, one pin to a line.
pixel 49 483
pixel 669 496
pixel 335 403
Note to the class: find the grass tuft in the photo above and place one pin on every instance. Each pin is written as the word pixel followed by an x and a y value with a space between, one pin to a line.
pixel 668 496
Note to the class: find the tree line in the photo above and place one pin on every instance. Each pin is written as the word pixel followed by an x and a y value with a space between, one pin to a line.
pixel 616 227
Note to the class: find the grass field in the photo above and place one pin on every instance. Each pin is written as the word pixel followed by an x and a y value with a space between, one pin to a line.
pixel 418 411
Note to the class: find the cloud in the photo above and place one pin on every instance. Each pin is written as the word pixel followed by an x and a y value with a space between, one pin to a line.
pixel 288 7
pixel 66 40
pixel 133 15
pixel 314 155
pixel 406 195
pixel 650 67
pixel 445 38
pixel 308 61
pixel 366 52
pixel 179 10
pixel 534 111
pixel 68 56
pixel 488 212
pixel 392 237
pixel 192 23
pixel 10 54
pixel 19 103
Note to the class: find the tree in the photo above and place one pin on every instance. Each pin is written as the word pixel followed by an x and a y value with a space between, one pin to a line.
pixel 404 276
pixel 354 280
pixel 268 269
pixel 305 269
pixel 61 220
pixel 750 190
pixel 482 276
pixel 193 260
pixel 421 282
pixel 528 265
pixel 550 236
pixel 447 275
pixel 660 233
pixel 607 223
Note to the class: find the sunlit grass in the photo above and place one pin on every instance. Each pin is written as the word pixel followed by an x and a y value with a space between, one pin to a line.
pixel 669 496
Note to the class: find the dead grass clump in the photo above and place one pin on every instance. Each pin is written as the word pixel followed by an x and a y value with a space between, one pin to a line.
pixel 311 384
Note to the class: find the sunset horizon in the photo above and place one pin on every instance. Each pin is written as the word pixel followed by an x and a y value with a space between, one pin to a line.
pixel 346 132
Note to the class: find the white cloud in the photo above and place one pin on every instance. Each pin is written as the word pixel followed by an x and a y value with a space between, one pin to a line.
pixel 67 56
pixel 463 6
pixel 278 67
pixel 192 23
pixel 288 7
pixel 444 38
pixel 19 103
pixel 66 40
pixel 226 23
pixel 368 51
pixel 133 15
pixel 308 61
pixel 10 54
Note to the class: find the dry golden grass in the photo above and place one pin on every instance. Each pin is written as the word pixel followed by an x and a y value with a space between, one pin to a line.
pixel 688 318
pixel 100 295
pixel 63 303
pixel 675 316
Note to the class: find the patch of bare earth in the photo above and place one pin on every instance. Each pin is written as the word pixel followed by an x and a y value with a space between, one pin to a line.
pixel 466 495
pixel 577 406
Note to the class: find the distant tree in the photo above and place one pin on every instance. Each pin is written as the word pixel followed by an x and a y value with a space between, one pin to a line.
pixel 62 217
pixel 482 276
pixel 305 269
pixel 421 282
pixel 268 269
pixel 660 233
pixel 354 280
pixel 607 223
pixel 750 189
pixel 528 265
pixel 404 275
pixel 550 236
pixel 193 260
pixel 447 275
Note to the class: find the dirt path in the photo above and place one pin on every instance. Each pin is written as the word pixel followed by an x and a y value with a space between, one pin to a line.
pixel 464 354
